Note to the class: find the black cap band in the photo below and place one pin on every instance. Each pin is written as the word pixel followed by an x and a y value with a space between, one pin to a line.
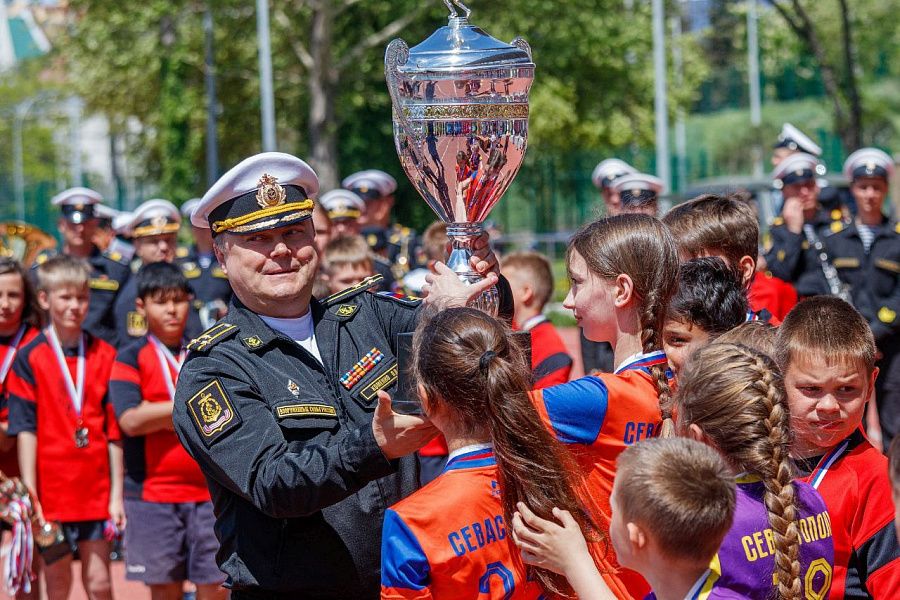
pixel 870 170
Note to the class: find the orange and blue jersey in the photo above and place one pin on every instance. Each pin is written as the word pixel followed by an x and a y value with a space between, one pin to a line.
pixel 449 540
pixel 598 416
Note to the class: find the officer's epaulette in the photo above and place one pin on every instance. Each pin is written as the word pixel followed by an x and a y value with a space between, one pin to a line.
pixel 355 290
pixel 212 336
pixel 116 257
pixel 777 222
pixel 182 252
pixel 400 298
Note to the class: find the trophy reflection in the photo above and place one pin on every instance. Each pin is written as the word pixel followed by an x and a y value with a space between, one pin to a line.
pixel 460 115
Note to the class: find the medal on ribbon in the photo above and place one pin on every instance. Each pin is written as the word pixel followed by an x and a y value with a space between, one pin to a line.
pixel 75 388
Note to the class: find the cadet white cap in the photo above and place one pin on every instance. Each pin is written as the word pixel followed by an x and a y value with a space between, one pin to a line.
pixel 370 184
pixel 797 168
pixel 77 204
pixel 188 207
pixel 869 162
pixel 265 191
pixel 636 189
pixel 102 211
pixel 342 204
pixel 154 217
pixel 122 223
pixel 794 139
pixel 609 170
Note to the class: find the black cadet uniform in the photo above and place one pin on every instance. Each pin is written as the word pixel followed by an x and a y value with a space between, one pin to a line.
pixel 130 325
pixel 874 280
pixel 109 274
pixel 207 279
pixel 792 258
pixel 298 482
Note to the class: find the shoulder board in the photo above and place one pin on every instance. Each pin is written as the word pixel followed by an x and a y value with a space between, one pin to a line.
pixel 400 298
pixel 212 336
pixel 115 257
pixel 355 290
pixel 778 221
pixel 837 226
pixel 182 252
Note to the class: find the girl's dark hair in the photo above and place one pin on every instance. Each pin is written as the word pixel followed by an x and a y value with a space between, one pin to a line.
pixel 641 247
pixel 468 362
pixel 161 277
pixel 708 296
pixel 31 314
pixel 736 396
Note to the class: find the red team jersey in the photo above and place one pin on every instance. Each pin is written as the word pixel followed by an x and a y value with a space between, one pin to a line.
pixel 550 360
pixel 449 540
pixel 600 416
pixel 157 467
pixel 72 482
pixel 853 480
pixel 9 462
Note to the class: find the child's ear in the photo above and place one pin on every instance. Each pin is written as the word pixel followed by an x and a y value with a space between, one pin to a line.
pixel 636 536
pixel 43 300
pixel 872 379
pixel 747 266
pixel 139 307
pixel 624 291
pixel 527 294
pixel 695 433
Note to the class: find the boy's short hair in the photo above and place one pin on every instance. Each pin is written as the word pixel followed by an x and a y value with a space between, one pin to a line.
pixel 708 296
pixel 825 326
pixel 62 270
pixel 680 490
pixel 161 278
pixel 434 241
pixel 756 335
pixel 346 250
pixel 538 271
pixel 725 226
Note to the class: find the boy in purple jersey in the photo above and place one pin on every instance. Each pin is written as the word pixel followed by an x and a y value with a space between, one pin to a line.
pixel 673 501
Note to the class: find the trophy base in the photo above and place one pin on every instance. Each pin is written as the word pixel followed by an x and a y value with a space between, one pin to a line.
pixel 462 237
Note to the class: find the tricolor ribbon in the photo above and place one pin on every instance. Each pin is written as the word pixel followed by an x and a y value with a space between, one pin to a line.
pixel 825 463
pixel 643 361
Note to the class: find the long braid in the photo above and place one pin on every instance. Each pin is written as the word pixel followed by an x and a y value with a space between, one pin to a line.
pixel 652 317
pixel 780 497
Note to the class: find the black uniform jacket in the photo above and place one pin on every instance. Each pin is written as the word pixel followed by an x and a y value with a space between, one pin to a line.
pixel 298 483
pixel 874 278
pixel 791 258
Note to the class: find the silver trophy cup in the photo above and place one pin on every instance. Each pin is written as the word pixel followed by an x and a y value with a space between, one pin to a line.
pixel 461 126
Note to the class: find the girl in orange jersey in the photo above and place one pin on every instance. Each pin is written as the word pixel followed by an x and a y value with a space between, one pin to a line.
pixel 623 271
pixel 451 539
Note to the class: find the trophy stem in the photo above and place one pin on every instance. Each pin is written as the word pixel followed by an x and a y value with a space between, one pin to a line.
pixel 462 237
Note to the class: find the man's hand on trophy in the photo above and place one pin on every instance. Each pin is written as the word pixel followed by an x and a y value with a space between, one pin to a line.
pixel 483 258
pixel 445 288
pixel 396 434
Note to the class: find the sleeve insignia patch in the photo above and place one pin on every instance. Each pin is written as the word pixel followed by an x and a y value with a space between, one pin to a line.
pixel 346 310
pixel 136 324
pixel 886 315
pixel 211 336
pixel 104 283
pixel 213 413
pixel 286 411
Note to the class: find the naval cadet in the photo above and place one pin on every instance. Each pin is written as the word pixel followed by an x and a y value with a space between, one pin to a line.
pixel 198 263
pixel 377 189
pixel 638 193
pixel 793 141
pixel 284 403
pixel 77 225
pixel 603 176
pixel 796 252
pixel 866 254
pixel 154 233
pixel 345 210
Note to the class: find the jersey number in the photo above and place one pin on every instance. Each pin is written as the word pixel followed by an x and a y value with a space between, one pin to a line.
pixel 506 578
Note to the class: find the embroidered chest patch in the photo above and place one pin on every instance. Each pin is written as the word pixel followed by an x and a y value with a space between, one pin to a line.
pixel 366 364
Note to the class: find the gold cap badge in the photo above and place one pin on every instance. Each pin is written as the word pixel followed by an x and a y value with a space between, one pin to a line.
pixel 270 192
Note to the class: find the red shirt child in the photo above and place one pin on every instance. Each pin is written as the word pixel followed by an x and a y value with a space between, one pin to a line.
pixel 73 469
pixel 550 360
pixel 9 348
pixel 157 467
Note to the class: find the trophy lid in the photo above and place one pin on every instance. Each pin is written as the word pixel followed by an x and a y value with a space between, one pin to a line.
pixel 459 45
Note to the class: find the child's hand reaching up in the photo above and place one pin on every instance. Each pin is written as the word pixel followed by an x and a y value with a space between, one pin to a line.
pixel 559 547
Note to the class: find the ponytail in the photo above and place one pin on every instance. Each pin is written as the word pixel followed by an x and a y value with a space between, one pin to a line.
pixel 641 247
pixel 468 362
pixel 736 396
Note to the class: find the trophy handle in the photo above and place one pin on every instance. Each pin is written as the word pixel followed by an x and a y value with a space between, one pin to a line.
pixel 396 54
pixel 521 44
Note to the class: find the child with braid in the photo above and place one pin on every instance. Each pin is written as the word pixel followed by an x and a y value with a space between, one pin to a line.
pixel 779 545
pixel 623 272
pixel 826 351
